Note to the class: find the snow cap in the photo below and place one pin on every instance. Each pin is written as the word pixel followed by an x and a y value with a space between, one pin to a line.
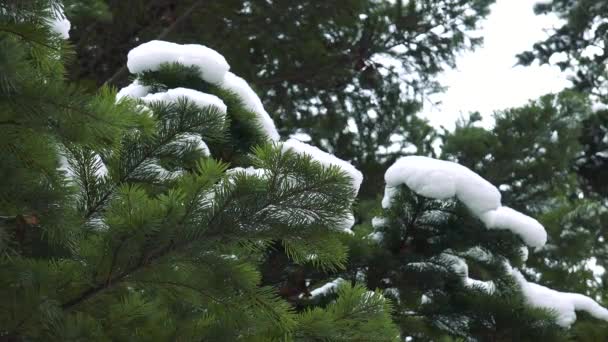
pixel 440 179
pixel 149 56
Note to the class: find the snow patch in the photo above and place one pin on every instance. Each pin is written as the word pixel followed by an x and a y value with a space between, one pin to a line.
pixel 249 171
pixel 195 140
pixel 134 90
pixel 59 23
pixel 328 288
pixel 346 224
pixel 478 253
pixel 378 222
pixel 376 236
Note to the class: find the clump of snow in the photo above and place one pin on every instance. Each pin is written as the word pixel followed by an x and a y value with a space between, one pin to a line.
pixel 151 55
pixel 425 299
pixel 441 179
pixel 252 102
pixel 597 106
pixel 530 230
pixel 361 275
pixel 564 304
pixel 213 68
pixel 134 90
pixel 161 172
pixel 304 137
pixel 327 288
pixel 346 224
pixel 200 99
pixel 378 222
pixel 59 23
pixel 460 267
pixel 393 292
pixel 326 159
pixel 376 236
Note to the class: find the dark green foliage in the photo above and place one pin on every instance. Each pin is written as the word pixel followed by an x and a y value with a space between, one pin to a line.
pixel 116 226
pixel 243 129
pixel 412 261
pixel 535 152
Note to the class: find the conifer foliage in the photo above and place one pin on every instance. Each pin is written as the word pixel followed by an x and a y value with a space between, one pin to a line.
pixel 154 213
pixel 144 216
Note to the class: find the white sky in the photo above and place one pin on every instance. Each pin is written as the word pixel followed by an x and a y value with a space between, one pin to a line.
pixel 486 80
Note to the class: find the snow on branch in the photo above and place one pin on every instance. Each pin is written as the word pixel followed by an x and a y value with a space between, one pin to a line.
pixel 151 55
pixel 213 68
pixel 441 179
pixel 134 90
pixel 59 23
pixel 328 288
pixel 252 102
pixel 460 267
pixel 201 100
pixel 564 304
pixel 326 159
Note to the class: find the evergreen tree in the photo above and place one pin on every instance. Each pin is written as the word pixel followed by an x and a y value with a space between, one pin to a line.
pixel 141 222
pixel 534 153
pixel 454 267
pixel 458 269
pixel 578 47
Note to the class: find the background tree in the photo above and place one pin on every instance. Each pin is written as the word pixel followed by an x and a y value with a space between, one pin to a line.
pixel 578 46
pixel 533 153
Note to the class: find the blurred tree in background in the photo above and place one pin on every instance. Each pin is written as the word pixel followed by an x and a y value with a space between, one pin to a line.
pixel 579 47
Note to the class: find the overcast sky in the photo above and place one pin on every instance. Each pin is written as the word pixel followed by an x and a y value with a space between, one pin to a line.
pixel 486 79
